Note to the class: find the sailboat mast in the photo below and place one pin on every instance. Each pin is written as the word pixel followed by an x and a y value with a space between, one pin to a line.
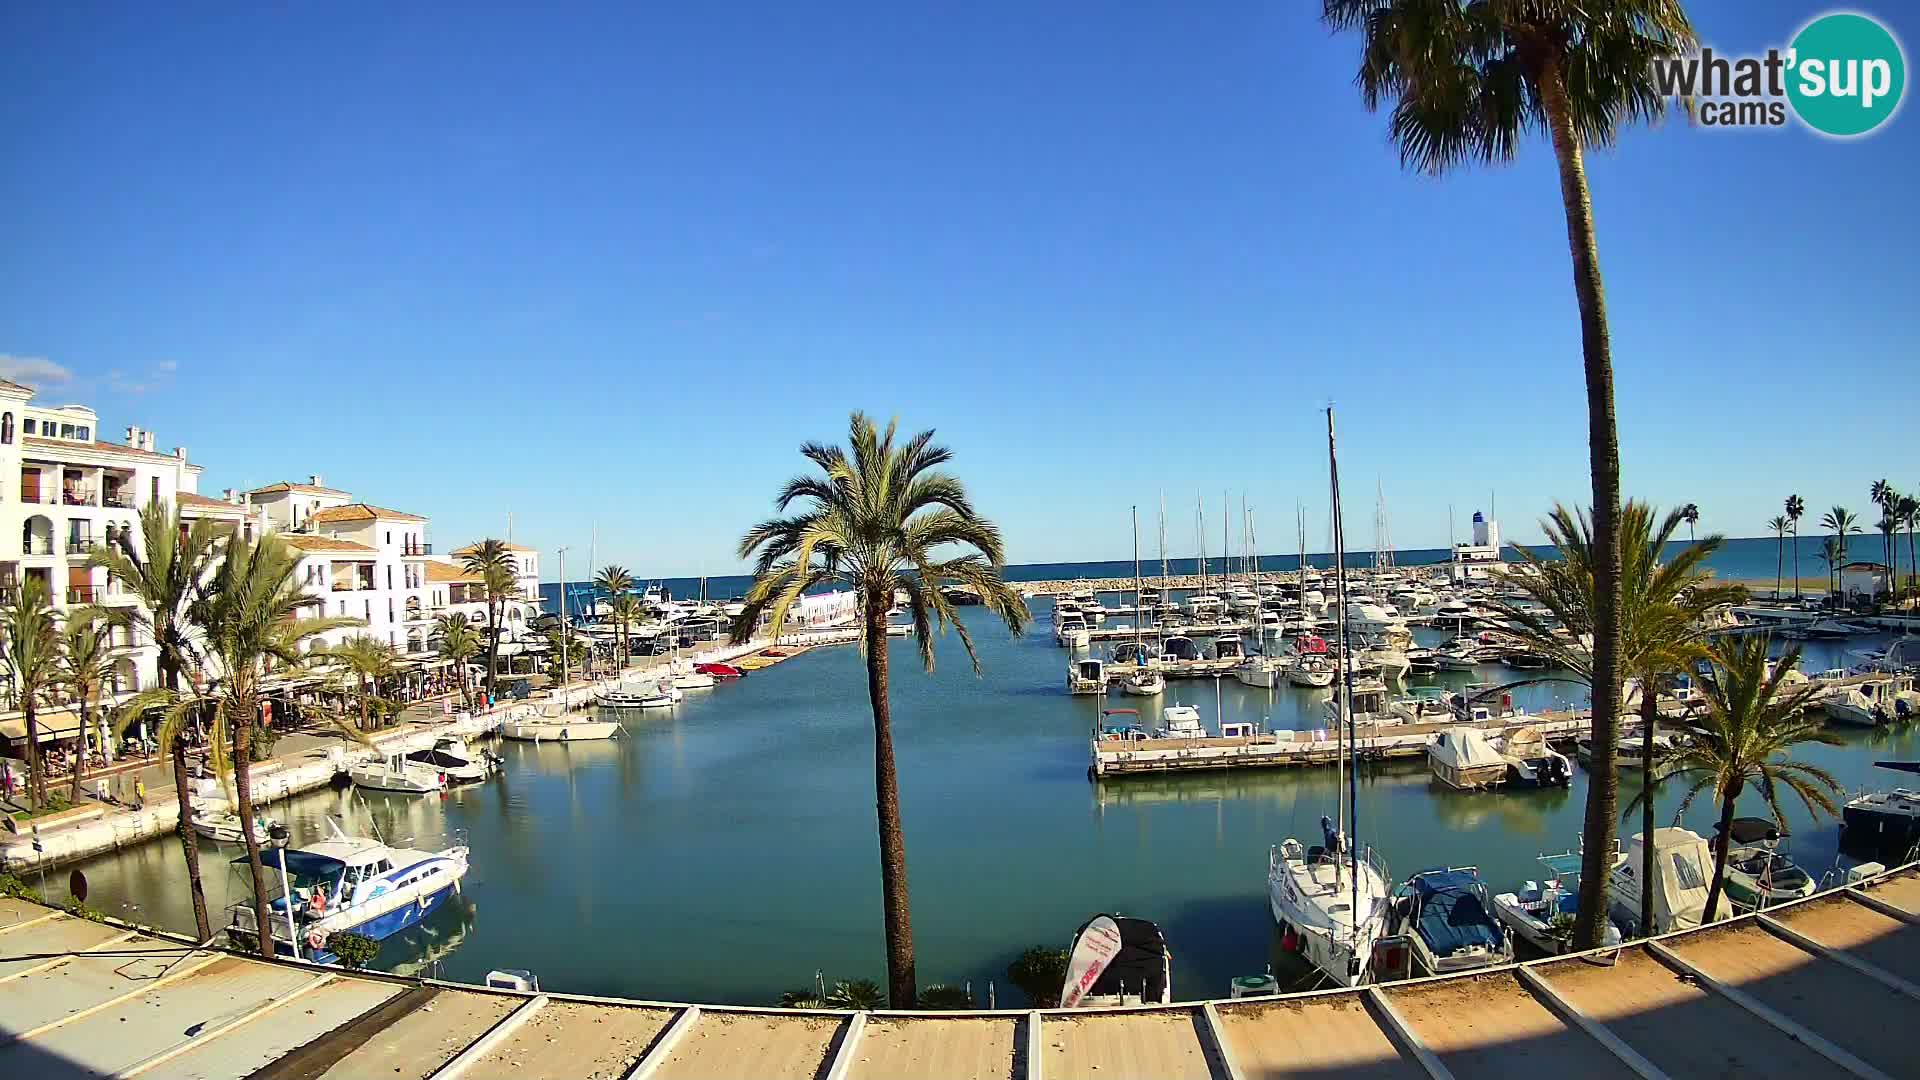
pixel 1344 696
pixel 1139 608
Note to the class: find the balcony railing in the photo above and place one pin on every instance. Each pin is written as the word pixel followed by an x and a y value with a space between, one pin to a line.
pixel 416 549
pixel 84 545
pixel 119 500
pixel 36 547
pixel 78 498
pixel 86 594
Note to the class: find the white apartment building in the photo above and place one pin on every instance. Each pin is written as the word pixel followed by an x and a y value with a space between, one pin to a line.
pixel 454 591
pixel 358 561
pixel 65 494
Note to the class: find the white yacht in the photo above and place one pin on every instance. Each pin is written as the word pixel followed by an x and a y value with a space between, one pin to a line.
pixel 1087 676
pixel 554 724
pixel 1071 632
pixel 458 762
pixel 1180 722
pixel 1204 605
pixel 1144 682
pixel 394 773
pixel 347 883
pixel 1313 893
pixel 1873 702
pixel 685 677
pixel 1229 647
pixel 223 827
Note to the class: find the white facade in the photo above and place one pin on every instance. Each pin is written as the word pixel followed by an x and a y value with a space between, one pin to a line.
pixel 357 560
pixel 453 591
pixel 65 494
pixel 1472 562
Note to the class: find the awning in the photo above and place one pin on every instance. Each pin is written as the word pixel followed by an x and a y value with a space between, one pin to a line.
pixel 58 724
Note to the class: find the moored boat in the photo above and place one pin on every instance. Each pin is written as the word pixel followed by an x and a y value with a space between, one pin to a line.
pixel 223 827
pixel 1541 913
pixel 1464 758
pixel 1445 916
pixel 397 775
pixel 1759 874
pixel 1115 960
pixel 455 760
pixel 555 724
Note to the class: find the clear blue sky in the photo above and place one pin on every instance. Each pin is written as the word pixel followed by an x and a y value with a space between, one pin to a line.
pixel 606 265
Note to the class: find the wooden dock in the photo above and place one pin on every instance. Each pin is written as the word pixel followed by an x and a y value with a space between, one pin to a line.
pixel 1297 749
pixel 1820 987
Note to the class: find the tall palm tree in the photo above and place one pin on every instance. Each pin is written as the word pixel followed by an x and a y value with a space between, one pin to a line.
pixel 369 660
pixel 1882 495
pixel 1779 527
pixel 251 610
pixel 1467 81
pixel 458 642
pixel 1839 521
pixel 31 657
pixel 1909 511
pixel 881 517
pixel 1661 610
pixel 85 667
pixel 1795 507
pixel 161 571
pixel 492 562
pixel 627 611
pixel 1888 526
pixel 614 582
pixel 1746 738
pixel 1690 513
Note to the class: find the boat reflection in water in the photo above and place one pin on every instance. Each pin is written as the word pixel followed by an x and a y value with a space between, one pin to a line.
pixel 420 952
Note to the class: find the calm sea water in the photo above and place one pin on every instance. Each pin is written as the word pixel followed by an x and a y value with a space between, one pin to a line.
pixel 726 850
pixel 1751 559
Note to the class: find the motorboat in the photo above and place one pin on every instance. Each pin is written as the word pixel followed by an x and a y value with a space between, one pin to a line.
pixel 1312 672
pixel 1542 912
pixel 1883 821
pixel 1203 605
pixel 1683 867
pixel 346 883
pixel 1524 660
pixel 1134 654
pixel 1124 729
pixel 555 724
pixel 1873 702
pixel 1229 647
pixel 1631 751
pixel 1531 762
pixel 394 773
pixel 1390 663
pixel 627 696
pixel 1758 874
pixel 223 827
pixel 1446 916
pixel 1460 658
pixel 1312 892
pixel 459 763
pixel 728 671
pixel 1144 682
pixel 686 677
pixel 1425 705
pixel 1180 722
pixel 1113 961
pixel 1178 648
pixel 1464 758
pixel 1087 676
pixel 1422 663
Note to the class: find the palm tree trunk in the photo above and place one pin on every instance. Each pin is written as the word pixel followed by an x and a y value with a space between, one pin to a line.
pixel 36 778
pixel 1796 560
pixel 1779 563
pixel 243 791
pixel 1603 446
pixel 901 991
pixel 1649 714
pixel 189 843
pixel 493 647
pixel 80 751
pixel 1720 845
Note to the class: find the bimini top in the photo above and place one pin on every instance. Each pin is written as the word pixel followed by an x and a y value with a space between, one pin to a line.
pixel 298 863
pixel 1753 830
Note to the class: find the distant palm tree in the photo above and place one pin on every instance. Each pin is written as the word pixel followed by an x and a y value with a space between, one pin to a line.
pixel 626 611
pixel 1839 521
pixel 458 642
pixel 492 561
pixel 86 666
pixel 1909 511
pixel 1747 736
pixel 1796 506
pixel 1888 526
pixel 615 582
pixel 1662 605
pixel 251 611
pixel 1468 82
pixel 877 517
pixel 31 657
pixel 1779 527
pixel 161 572
pixel 1690 513
pixel 369 660
pixel 1883 495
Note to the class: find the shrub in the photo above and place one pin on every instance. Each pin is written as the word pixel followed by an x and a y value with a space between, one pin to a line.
pixel 354 950
pixel 856 994
pixel 942 996
pixel 1038 972
pixel 79 909
pixel 801 999
pixel 13 888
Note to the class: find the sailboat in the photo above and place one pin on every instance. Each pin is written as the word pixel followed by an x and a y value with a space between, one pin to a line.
pixel 1144 682
pixel 1331 899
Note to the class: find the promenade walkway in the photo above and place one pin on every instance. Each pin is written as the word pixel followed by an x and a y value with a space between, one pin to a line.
pixel 1823 987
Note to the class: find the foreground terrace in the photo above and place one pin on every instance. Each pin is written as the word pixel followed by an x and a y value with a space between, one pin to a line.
pixel 1821 987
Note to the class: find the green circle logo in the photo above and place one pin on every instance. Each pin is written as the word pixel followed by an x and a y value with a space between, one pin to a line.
pixel 1846 74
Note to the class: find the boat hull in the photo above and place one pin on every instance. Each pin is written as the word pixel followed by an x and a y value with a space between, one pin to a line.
pixel 572 731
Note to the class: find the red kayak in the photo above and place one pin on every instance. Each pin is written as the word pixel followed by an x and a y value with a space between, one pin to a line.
pixel 719 671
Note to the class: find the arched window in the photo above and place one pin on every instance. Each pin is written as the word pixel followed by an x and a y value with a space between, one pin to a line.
pixel 6 428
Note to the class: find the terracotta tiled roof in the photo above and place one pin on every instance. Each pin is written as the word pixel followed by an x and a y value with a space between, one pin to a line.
pixel 446 572
pixel 191 503
pixel 305 542
pixel 272 489
pixel 508 546
pixel 103 447
pixel 360 512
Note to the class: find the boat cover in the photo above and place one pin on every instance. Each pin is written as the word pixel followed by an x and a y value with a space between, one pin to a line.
pixel 1451 914
pixel 299 863
pixel 1141 963
pixel 438 759
pixel 1752 830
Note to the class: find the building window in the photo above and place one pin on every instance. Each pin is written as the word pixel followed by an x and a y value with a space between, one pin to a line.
pixel 154 495
pixel 83 433
pixel 247 531
pixel 6 428
pixel 389 609
pixel 389 537
pixel 366 609
pixel 29 427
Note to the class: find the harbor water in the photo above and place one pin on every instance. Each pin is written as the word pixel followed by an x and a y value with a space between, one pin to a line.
pixel 725 850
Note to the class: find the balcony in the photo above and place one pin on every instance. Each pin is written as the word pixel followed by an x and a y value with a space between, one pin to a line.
pixel 416 549
pixel 119 500
pixel 85 594
pixel 80 547
pixel 78 497
pixel 36 545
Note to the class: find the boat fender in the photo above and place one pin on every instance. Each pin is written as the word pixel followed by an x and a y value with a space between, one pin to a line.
pixel 1288 941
